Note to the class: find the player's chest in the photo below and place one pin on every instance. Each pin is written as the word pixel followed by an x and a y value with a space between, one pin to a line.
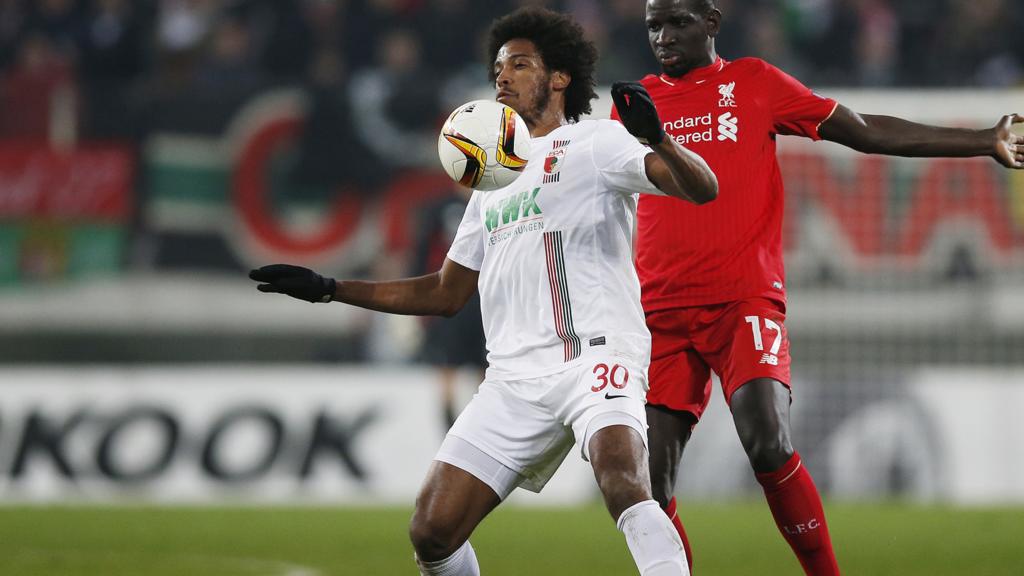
pixel 715 116
pixel 555 192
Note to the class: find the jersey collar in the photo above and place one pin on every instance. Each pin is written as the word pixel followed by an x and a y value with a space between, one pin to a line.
pixel 696 75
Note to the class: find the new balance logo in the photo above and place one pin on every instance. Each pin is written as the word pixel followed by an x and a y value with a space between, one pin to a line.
pixel 771 359
pixel 728 126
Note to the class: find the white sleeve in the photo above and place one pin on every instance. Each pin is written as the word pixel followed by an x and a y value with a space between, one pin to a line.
pixel 467 248
pixel 619 159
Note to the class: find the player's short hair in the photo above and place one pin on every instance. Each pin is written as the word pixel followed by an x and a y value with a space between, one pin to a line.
pixel 703 7
pixel 562 45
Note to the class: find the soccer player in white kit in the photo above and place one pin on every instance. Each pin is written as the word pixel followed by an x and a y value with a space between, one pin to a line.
pixel 551 256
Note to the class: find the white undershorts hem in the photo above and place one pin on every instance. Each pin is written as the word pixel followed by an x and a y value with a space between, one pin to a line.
pixel 463 455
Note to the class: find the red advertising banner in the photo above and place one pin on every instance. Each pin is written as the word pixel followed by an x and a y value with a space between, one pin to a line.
pixel 92 183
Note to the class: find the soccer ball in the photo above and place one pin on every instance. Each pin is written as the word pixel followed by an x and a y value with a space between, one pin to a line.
pixel 484 145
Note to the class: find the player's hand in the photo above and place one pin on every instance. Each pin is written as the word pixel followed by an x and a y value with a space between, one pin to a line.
pixel 295 281
pixel 637 111
pixel 1009 146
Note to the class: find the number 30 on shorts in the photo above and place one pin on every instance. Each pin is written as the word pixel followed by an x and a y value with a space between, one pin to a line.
pixel 617 376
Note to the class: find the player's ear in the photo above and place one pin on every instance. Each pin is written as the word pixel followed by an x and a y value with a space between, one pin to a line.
pixel 560 80
pixel 714 22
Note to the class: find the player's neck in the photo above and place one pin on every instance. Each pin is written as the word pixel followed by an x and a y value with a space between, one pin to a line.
pixel 549 121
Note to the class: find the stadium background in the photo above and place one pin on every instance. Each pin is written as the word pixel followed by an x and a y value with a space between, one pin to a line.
pixel 152 151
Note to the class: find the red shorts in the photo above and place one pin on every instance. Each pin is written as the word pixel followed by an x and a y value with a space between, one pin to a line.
pixel 740 341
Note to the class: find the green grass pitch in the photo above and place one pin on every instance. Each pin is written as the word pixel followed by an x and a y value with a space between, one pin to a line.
pixel 728 539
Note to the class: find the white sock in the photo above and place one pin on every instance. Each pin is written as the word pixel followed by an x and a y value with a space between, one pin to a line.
pixel 653 541
pixel 461 563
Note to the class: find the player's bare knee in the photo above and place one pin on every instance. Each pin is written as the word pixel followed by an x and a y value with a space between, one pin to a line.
pixel 432 528
pixel 613 481
pixel 432 537
pixel 767 454
pixel 622 488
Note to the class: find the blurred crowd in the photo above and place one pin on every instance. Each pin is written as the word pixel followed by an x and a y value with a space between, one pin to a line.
pixel 98 69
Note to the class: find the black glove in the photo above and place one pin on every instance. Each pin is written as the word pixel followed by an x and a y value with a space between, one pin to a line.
pixel 295 281
pixel 637 111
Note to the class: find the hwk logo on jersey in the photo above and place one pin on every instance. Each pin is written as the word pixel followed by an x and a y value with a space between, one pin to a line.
pixel 553 161
pixel 727 100
pixel 728 127
pixel 511 208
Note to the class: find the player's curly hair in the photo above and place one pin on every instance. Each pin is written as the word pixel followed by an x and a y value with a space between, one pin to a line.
pixel 562 46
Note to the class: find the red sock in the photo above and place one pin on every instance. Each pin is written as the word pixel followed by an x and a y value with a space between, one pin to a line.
pixel 796 506
pixel 670 510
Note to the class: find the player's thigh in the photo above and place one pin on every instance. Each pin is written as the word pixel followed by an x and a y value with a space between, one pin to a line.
pixel 619 458
pixel 510 424
pixel 620 451
pixel 450 505
pixel 667 434
pixel 749 341
pixel 603 392
pixel 605 406
pixel 680 379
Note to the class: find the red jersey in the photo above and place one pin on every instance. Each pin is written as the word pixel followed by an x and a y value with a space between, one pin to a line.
pixel 731 248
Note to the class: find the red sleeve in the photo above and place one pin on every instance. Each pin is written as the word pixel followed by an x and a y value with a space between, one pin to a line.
pixel 796 110
pixel 615 114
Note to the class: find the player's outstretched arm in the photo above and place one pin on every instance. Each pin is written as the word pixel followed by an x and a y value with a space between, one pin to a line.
pixel 675 170
pixel 681 173
pixel 442 293
pixel 898 137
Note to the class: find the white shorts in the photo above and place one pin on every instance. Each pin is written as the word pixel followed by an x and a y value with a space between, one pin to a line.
pixel 518 432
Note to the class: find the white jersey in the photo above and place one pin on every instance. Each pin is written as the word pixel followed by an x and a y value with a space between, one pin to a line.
pixel 554 251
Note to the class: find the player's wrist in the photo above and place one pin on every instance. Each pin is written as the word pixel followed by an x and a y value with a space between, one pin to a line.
pixel 656 137
pixel 995 145
pixel 660 143
pixel 331 290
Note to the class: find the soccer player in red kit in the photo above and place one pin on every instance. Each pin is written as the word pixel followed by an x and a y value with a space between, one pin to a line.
pixel 712 276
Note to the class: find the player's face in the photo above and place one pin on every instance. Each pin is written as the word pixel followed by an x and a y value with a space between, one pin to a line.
pixel 681 37
pixel 521 79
